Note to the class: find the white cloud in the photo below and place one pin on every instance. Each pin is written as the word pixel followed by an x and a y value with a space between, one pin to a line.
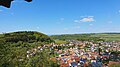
pixel 87 19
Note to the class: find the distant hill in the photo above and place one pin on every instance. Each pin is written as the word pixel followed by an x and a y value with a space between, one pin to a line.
pixel 24 36
pixel 89 37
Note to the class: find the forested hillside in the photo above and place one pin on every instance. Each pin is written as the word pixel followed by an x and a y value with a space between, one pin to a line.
pixel 24 36
pixel 14 47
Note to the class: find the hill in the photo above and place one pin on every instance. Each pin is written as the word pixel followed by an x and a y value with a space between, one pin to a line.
pixel 25 36
pixel 14 48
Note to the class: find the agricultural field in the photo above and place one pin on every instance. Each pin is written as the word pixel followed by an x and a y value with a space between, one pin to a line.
pixel 85 37
pixel 108 37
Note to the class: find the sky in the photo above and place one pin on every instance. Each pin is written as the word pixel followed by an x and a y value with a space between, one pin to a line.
pixel 61 16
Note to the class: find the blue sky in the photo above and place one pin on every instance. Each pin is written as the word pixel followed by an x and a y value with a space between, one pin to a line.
pixel 61 16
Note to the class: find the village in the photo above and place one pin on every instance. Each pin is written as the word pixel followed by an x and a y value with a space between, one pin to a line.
pixel 82 53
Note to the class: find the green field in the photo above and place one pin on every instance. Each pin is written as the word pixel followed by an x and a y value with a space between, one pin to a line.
pixel 108 37
pixel 93 36
pixel 60 42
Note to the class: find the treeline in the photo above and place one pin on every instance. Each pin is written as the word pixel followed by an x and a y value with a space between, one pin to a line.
pixel 25 36
pixel 81 37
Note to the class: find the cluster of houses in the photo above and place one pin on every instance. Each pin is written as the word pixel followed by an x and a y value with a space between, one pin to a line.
pixel 81 54
pixel 87 54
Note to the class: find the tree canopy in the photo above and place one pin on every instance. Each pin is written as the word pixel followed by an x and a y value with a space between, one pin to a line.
pixel 14 47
